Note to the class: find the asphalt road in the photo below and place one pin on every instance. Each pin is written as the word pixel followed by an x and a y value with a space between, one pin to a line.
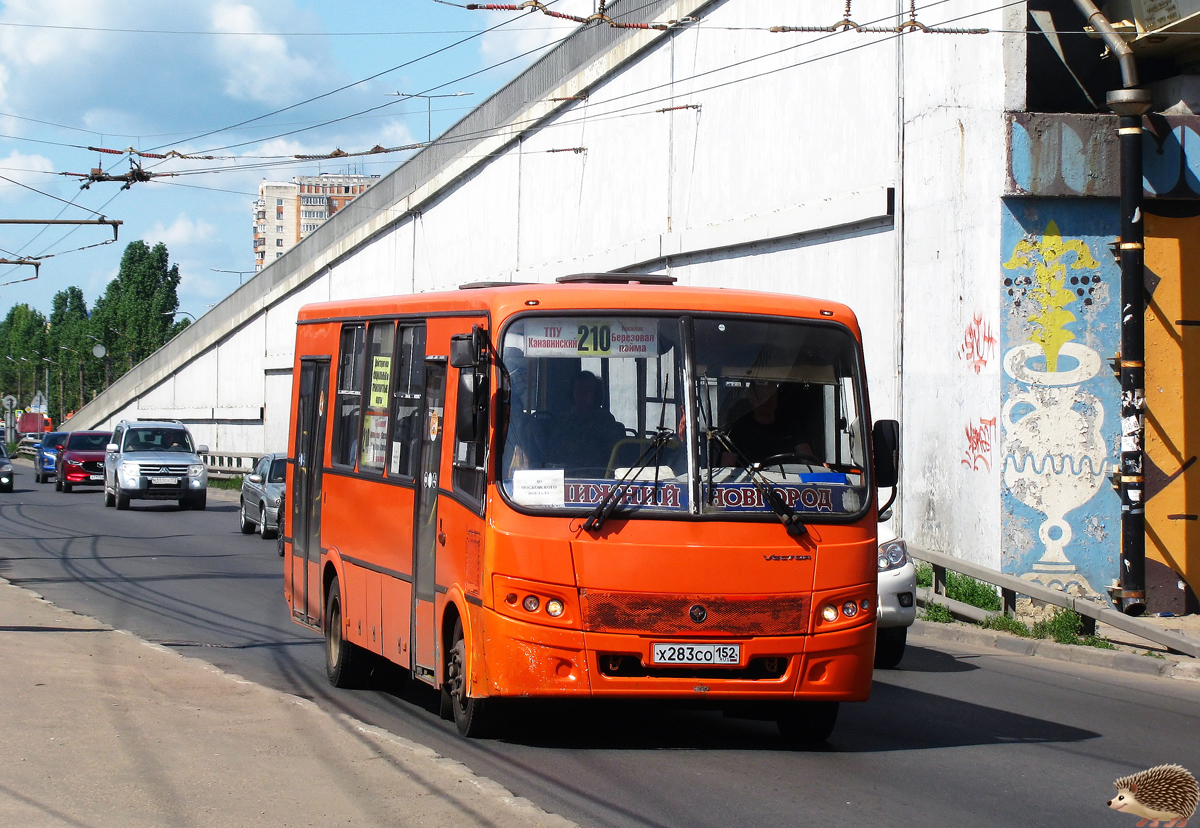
pixel 954 736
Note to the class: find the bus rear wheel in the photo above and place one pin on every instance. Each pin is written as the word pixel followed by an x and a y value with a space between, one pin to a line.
pixel 345 662
pixel 807 723
pixel 472 717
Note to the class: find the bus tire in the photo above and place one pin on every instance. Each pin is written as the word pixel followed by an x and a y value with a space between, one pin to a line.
pixel 345 662
pixel 889 646
pixel 807 723
pixel 471 716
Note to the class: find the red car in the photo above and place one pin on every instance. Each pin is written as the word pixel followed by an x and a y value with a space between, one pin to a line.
pixel 81 460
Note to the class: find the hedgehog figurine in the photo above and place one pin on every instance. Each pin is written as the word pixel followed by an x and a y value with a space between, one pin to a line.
pixel 1166 792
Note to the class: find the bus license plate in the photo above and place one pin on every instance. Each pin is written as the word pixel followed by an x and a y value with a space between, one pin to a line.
pixel 165 481
pixel 697 653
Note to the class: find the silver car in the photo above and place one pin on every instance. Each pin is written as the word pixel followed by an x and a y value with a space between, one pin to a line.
pixel 262 494
pixel 154 460
pixel 897 604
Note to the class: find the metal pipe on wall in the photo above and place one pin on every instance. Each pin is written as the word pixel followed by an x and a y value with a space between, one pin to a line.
pixel 1130 104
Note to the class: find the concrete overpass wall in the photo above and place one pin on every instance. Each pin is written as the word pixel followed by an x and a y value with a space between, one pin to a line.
pixel 784 162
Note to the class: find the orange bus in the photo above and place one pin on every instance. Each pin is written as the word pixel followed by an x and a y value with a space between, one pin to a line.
pixel 611 486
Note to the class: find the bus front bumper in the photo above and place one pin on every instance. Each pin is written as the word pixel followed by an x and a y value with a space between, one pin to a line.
pixel 531 660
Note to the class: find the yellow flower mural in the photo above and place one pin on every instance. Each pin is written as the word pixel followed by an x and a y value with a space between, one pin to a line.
pixel 1049 259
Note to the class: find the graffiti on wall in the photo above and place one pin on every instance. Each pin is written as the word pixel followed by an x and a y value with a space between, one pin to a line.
pixel 1058 400
pixel 979 343
pixel 980 439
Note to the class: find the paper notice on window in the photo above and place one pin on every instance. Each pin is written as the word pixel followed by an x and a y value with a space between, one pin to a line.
pixel 538 487
pixel 381 377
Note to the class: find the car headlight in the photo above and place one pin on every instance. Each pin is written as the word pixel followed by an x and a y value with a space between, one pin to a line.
pixel 6 468
pixel 892 555
pixel 130 468
pixel 195 469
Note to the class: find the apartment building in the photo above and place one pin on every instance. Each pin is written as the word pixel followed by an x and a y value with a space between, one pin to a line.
pixel 287 211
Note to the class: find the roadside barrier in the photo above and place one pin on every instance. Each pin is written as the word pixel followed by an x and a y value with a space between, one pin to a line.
pixel 1012 586
pixel 229 466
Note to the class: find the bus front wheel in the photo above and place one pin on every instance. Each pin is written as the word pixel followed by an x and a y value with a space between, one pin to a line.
pixel 471 716
pixel 807 723
pixel 344 661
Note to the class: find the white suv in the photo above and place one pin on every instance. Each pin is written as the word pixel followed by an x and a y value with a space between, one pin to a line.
pixel 154 460
pixel 897 599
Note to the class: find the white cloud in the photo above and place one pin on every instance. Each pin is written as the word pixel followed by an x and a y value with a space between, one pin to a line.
pixel 258 68
pixel 183 231
pixel 27 169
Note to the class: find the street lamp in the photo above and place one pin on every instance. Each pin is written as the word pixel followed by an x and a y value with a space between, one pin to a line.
pixel 79 360
pixel 429 107
pixel 176 313
pixel 101 352
pixel 239 273
pixel 14 362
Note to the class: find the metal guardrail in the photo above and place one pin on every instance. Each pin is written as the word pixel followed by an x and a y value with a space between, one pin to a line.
pixel 1011 586
pixel 28 446
pixel 229 466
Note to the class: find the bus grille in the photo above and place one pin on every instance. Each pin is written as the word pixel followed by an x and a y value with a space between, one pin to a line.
pixel 640 612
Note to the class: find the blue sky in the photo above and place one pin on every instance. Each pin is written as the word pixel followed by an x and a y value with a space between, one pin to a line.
pixel 157 77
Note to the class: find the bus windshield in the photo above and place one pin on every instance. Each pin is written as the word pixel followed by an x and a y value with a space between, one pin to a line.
pixel 602 401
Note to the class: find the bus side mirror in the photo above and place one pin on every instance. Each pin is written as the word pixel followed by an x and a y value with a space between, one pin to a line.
pixel 469 423
pixel 885 440
pixel 466 350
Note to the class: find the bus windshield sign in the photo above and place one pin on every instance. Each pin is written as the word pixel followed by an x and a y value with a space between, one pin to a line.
pixel 598 402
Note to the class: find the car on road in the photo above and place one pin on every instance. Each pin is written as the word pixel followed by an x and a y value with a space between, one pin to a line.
pixel 81 460
pixel 262 495
pixel 6 470
pixel 45 463
pixel 154 460
pixel 897 599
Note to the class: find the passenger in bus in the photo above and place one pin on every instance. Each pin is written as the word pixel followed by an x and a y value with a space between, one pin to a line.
pixel 767 429
pixel 582 439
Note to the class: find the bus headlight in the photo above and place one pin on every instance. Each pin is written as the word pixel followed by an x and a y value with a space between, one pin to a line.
pixel 531 603
pixel 830 613
pixel 554 608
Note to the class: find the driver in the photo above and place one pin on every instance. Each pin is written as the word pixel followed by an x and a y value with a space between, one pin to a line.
pixel 764 431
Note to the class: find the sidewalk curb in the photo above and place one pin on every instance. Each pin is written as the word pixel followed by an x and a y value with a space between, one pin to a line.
pixel 450 772
pixel 1169 666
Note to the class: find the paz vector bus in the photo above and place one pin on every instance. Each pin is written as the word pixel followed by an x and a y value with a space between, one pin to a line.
pixel 607 487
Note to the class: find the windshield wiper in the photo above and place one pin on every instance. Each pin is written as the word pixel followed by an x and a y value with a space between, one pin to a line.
pixel 613 496
pixel 788 516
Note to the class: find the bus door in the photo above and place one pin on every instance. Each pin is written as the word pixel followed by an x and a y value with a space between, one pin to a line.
pixel 305 569
pixel 425 540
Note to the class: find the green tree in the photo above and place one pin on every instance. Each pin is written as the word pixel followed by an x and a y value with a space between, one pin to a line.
pixel 135 316
pixel 24 341
pixel 77 369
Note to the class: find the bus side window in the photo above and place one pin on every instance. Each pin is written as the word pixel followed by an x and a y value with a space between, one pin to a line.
pixel 349 396
pixel 406 402
pixel 471 434
pixel 372 447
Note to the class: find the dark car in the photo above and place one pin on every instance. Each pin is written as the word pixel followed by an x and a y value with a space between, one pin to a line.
pixel 6 470
pixel 81 460
pixel 46 462
pixel 262 494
